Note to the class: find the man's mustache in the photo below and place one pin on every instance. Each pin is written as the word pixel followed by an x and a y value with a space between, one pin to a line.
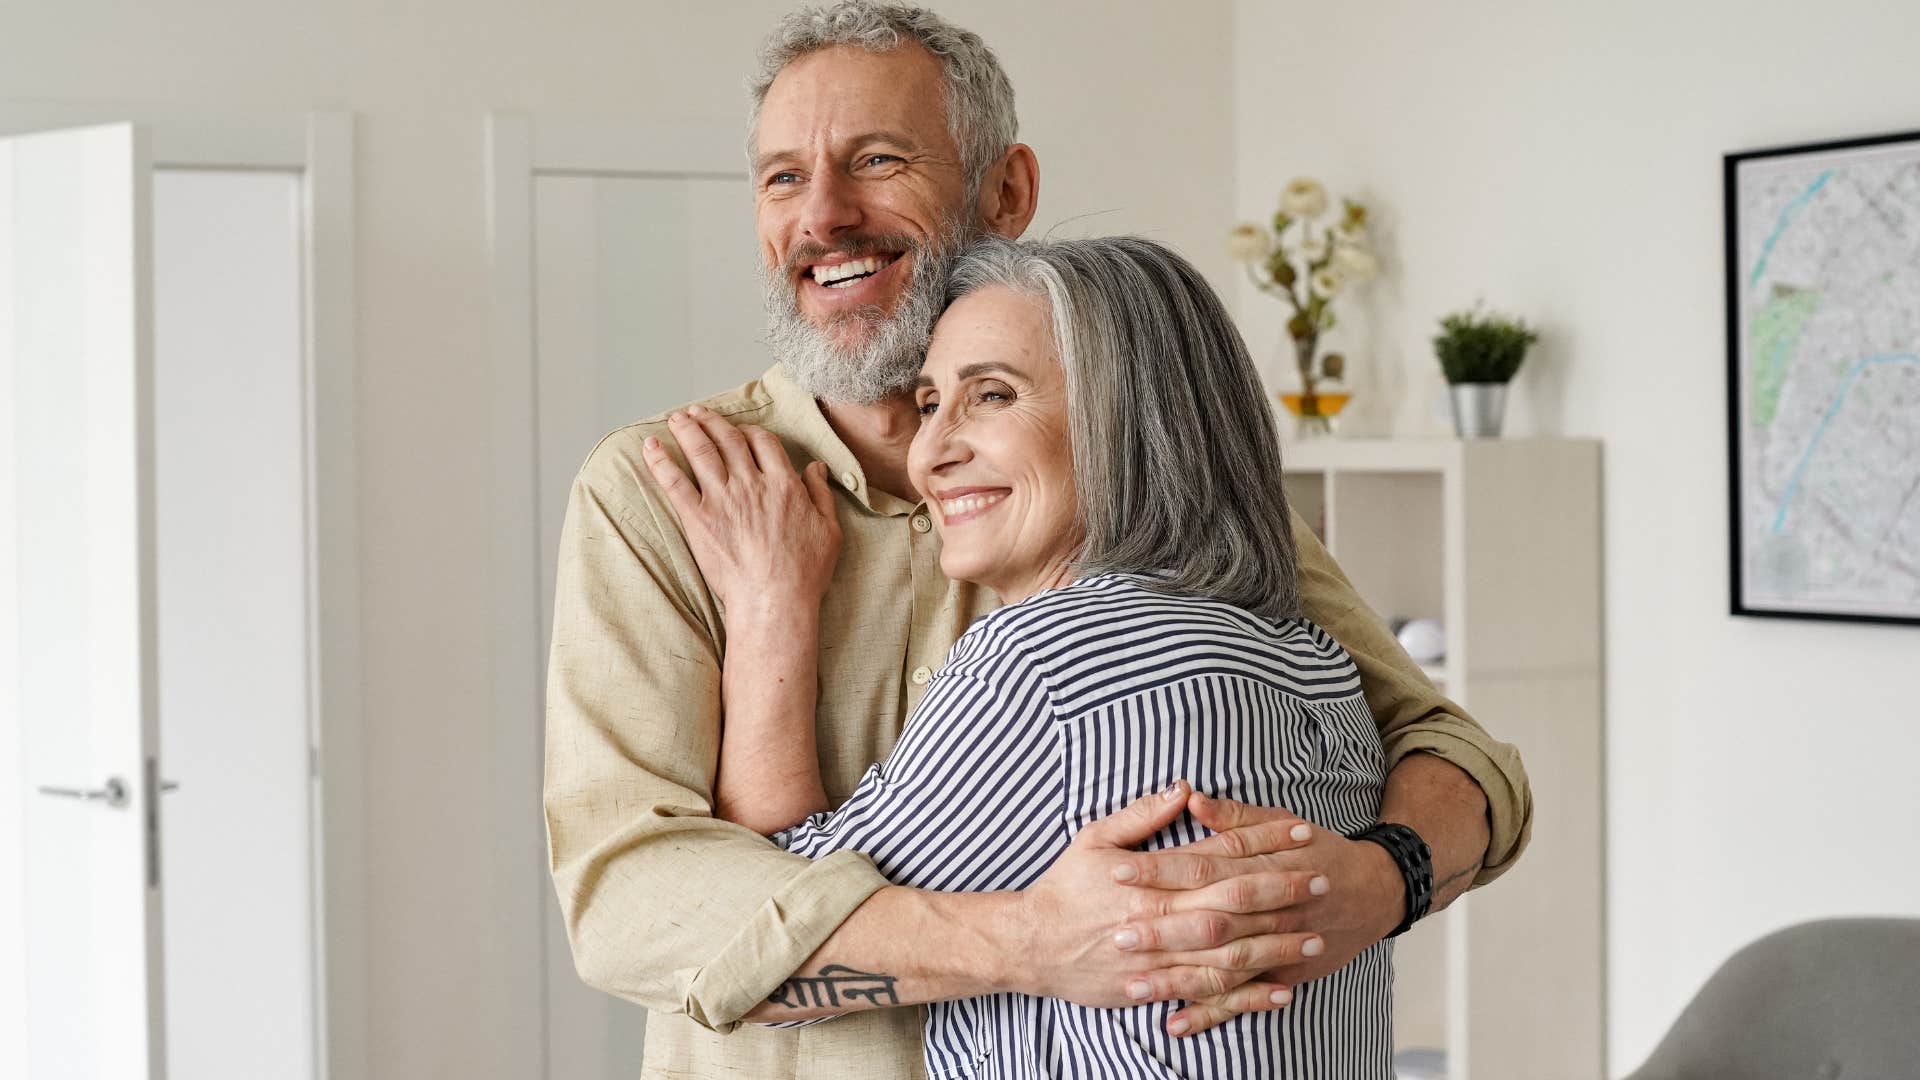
pixel 853 247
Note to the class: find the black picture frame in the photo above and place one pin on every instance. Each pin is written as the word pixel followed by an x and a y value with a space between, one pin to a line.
pixel 1736 388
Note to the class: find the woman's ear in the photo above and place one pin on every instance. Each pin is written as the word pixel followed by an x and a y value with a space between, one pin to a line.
pixel 1010 193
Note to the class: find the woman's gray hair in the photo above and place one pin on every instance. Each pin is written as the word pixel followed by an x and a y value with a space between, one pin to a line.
pixel 979 96
pixel 1176 457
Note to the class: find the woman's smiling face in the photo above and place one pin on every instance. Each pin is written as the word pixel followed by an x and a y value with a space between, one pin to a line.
pixel 993 457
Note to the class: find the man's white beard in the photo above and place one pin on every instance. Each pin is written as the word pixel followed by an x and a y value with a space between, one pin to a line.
pixel 888 349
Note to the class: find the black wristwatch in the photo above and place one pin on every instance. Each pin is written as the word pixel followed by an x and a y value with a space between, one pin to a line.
pixel 1415 860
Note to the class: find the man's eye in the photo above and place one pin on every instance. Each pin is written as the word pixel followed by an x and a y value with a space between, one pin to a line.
pixel 880 159
pixel 783 178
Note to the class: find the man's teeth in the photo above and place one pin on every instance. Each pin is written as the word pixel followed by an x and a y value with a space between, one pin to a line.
pixel 967 504
pixel 852 268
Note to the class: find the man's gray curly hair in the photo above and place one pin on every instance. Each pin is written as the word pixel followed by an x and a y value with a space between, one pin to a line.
pixel 979 97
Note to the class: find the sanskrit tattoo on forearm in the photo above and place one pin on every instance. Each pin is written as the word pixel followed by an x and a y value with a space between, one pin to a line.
pixel 826 988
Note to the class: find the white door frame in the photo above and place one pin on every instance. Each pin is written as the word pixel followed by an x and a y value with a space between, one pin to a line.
pixel 518 151
pixel 318 147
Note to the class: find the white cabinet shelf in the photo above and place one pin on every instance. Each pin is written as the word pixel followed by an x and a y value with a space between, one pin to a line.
pixel 1499 539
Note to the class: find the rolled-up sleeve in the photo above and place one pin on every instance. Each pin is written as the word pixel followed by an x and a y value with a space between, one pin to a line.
pixel 664 905
pixel 1413 716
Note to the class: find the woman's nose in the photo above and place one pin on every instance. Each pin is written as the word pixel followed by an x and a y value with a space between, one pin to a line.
pixel 941 443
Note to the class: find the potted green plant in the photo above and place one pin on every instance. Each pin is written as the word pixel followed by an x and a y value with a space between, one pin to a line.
pixel 1480 352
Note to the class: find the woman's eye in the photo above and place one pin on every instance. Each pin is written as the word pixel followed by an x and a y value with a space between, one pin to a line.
pixel 880 159
pixel 926 408
pixel 995 395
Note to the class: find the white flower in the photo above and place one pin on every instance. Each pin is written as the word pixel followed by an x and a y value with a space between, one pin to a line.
pixel 1303 197
pixel 1248 242
pixel 1350 235
pixel 1311 247
pixel 1355 264
pixel 1326 283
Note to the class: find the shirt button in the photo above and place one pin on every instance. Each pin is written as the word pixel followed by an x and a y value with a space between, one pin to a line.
pixel 849 481
pixel 920 523
pixel 921 675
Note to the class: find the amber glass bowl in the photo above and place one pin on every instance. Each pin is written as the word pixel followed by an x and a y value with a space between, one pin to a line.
pixel 1330 402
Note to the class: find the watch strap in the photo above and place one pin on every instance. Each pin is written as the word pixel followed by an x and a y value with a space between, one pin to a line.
pixel 1415 860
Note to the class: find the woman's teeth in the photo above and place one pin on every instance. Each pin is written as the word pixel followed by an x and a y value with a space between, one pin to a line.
pixel 967 504
pixel 840 275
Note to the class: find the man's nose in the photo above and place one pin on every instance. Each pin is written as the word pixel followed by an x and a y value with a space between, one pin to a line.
pixel 832 204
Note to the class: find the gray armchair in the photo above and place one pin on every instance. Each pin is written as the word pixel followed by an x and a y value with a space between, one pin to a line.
pixel 1837 999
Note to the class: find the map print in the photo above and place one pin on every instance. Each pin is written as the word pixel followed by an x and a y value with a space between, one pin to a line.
pixel 1827 353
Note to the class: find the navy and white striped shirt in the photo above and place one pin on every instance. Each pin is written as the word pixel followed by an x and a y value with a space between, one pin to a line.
pixel 1061 709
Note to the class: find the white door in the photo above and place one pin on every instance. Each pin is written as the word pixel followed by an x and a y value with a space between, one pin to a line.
pixel 647 297
pixel 231 555
pixel 79 726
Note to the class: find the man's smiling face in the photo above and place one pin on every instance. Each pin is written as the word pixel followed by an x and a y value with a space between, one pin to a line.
pixel 858 193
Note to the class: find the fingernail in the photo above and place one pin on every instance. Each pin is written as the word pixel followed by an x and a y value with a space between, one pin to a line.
pixel 1281 997
pixel 1171 791
pixel 651 442
pixel 1139 989
pixel 1202 797
pixel 676 418
pixel 697 410
pixel 1125 872
pixel 1302 832
pixel 1319 886
pixel 1178 1025
pixel 1313 947
pixel 1127 938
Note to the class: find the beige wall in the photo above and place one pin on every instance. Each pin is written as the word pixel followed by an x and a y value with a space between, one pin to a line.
pixel 1127 103
pixel 1563 159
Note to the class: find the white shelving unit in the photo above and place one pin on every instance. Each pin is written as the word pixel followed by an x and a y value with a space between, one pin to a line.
pixel 1500 539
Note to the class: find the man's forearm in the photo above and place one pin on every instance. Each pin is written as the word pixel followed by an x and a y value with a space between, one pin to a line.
pixel 1063 936
pixel 1446 807
pixel 908 947
pixel 903 947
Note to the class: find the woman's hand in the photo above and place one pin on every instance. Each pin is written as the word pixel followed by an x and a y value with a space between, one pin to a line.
pixel 1093 936
pixel 1254 867
pixel 765 538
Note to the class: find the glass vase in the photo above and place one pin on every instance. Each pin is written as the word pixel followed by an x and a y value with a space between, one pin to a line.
pixel 1321 396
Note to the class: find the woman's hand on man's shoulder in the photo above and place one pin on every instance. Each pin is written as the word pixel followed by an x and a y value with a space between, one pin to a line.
pixel 766 538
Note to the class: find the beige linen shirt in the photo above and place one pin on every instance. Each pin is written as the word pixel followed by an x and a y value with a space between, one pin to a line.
pixel 699 919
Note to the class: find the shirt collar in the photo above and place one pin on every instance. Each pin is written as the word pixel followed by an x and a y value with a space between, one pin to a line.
pixel 801 420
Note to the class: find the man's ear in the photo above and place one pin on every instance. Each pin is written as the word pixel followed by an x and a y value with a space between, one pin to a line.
pixel 1010 193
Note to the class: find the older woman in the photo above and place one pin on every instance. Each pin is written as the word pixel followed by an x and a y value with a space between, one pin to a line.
pixel 1096 448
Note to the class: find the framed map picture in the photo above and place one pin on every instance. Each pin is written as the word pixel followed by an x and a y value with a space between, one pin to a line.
pixel 1823 379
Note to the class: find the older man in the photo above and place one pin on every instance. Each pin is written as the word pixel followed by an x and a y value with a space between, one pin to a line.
pixel 882 138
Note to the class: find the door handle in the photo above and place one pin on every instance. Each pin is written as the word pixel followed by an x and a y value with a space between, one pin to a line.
pixel 113 793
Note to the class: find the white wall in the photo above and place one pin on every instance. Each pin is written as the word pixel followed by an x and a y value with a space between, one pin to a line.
pixel 1563 159
pixel 1132 124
